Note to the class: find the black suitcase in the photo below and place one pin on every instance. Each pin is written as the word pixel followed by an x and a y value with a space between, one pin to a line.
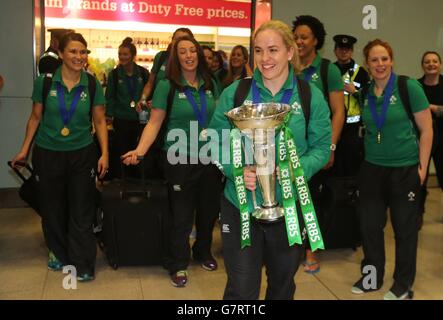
pixel 339 222
pixel 134 214
pixel 27 191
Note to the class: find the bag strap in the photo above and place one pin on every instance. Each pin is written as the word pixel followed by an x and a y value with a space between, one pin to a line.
pixel 304 90
pixel 324 70
pixel 242 91
pixel 404 96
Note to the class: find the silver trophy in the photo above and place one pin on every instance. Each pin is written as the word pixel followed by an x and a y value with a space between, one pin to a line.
pixel 260 122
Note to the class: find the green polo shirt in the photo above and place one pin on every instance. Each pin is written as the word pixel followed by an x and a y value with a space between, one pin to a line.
pixel 161 73
pixel 118 103
pixel 399 141
pixel 335 81
pixel 313 152
pixel 48 134
pixel 182 117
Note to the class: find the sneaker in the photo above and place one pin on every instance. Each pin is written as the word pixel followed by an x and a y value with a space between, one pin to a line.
pixel 179 279
pixel 398 293
pixel 209 264
pixel 359 288
pixel 53 263
pixel 84 277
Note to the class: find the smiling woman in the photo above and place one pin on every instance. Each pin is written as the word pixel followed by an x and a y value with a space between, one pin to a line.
pixel 65 157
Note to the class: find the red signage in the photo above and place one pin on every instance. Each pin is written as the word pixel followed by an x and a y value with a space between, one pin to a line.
pixel 186 12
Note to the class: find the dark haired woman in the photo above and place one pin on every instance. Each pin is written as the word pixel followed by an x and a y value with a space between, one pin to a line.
pixel 65 158
pixel 432 82
pixel 309 35
pixel 194 184
pixel 238 67
pixel 125 86
pixel 158 70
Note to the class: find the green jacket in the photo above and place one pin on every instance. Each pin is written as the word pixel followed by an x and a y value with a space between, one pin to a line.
pixel 314 152
pixel 118 103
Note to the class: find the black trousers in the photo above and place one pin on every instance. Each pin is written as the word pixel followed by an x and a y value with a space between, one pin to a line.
pixel 269 247
pixel 67 197
pixel 193 189
pixel 437 156
pixel 126 135
pixel 399 189
pixel 349 153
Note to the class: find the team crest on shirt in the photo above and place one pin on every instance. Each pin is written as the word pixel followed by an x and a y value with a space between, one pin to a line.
pixel 209 93
pixel 53 93
pixel 247 103
pixel 163 68
pixel 83 96
pixel 314 77
pixel 393 100
pixel 296 108
pixel 181 95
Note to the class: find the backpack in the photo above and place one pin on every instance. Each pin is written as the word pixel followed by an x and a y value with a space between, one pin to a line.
pixel 404 97
pixel 144 73
pixel 47 82
pixel 324 69
pixel 303 89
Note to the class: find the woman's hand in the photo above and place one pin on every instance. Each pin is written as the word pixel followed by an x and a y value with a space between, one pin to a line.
pixel 102 166
pixel 250 178
pixel 131 157
pixel 19 159
pixel 422 174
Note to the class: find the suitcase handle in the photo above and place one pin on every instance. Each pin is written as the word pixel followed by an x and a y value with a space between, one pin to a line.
pixel 125 179
pixel 17 171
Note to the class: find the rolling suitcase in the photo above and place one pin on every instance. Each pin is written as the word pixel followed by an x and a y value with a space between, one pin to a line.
pixel 339 224
pixel 134 214
pixel 27 190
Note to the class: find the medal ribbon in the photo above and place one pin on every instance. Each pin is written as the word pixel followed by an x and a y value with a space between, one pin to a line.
pixel 236 160
pixel 202 114
pixel 130 84
pixel 67 114
pixel 380 120
pixel 287 95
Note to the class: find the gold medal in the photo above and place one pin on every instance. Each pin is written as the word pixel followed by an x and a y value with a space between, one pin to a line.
pixel 65 132
pixel 132 104
pixel 379 137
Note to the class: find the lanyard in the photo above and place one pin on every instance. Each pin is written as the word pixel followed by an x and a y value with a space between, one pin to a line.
pixel 309 73
pixel 380 119
pixel 201 115
pixel 285 98
pixel 67 114
pixel 130 84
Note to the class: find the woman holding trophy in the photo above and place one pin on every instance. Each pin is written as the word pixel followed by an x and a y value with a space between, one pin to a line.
pixel 266 227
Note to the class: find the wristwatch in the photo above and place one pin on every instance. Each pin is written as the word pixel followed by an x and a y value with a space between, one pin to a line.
pixel 333 147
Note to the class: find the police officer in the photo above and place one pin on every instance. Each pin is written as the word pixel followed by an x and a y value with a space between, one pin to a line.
pixel 50 61
pixel 349 153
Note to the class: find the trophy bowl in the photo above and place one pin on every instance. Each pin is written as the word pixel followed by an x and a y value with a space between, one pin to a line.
pixel 260 122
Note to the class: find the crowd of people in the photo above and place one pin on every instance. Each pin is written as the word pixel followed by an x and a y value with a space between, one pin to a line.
pixel 365 121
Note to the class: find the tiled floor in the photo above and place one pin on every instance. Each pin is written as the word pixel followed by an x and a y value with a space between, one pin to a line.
pixel 23 273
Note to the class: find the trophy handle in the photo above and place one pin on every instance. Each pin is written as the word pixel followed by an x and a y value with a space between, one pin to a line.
pixel 247 158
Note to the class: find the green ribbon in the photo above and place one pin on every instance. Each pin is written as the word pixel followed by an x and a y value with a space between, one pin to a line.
pixel 236 158
pixel 287 191
pixel 304 196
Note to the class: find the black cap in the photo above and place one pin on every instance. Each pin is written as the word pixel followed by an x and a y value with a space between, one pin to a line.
pixel 344 41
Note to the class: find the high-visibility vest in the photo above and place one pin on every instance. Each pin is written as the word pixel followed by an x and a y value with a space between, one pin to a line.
pixel 351 103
